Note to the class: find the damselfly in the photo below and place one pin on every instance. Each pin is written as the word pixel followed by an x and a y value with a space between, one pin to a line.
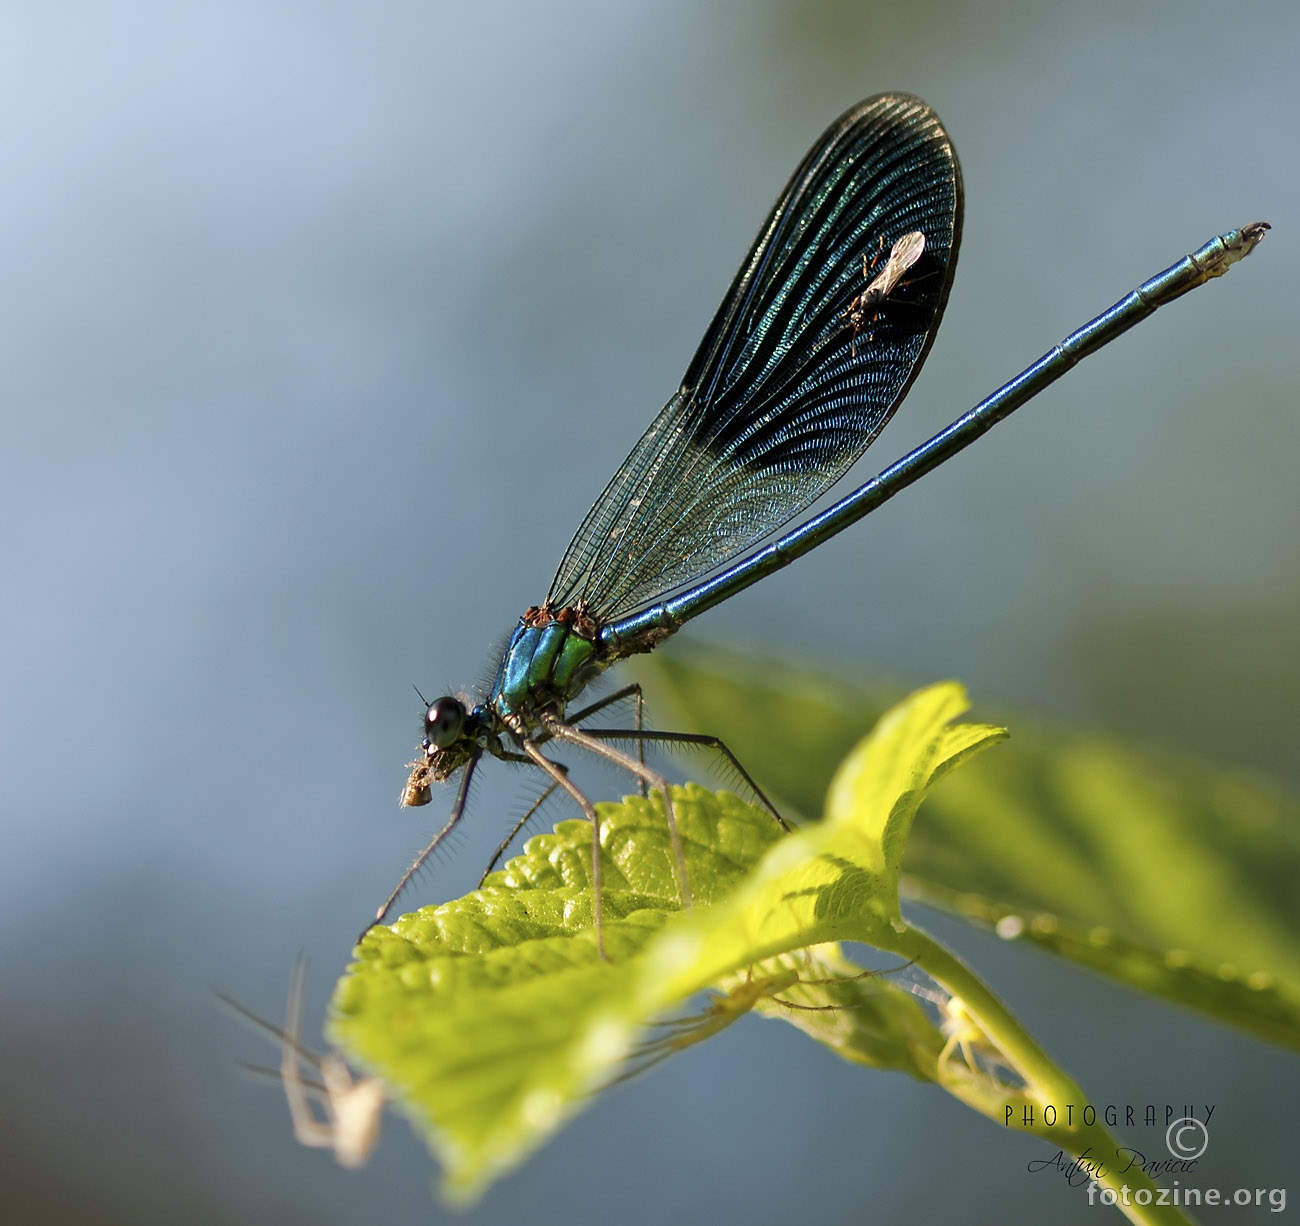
pixel 815 344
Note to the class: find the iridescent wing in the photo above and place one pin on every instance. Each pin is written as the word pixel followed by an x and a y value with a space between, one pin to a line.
pixel 785 392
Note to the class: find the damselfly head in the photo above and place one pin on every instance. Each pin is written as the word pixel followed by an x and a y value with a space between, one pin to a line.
pixel 450 740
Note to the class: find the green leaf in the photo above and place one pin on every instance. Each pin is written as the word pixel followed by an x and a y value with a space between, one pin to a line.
pixel 1254 1001
pixel 1178 865
pixel 493 1018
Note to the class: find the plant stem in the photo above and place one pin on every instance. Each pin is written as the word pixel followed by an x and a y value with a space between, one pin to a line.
pixel 1046 1085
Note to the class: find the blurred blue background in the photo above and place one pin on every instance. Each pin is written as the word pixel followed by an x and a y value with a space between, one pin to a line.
pixel 322 326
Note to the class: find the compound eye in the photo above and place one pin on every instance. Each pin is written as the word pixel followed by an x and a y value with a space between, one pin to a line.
pixel 443 721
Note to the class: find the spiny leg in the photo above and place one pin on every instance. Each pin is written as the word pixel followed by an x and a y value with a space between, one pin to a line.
pixel 594 743
pixel 693 738
pixel 550 790
pixel 561 779
pixel 627 691
pixel 457 811
pixel 521 823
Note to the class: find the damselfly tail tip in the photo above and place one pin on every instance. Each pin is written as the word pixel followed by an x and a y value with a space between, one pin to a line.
pixel 1249 237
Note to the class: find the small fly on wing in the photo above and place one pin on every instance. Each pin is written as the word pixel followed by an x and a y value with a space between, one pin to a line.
pixel 865 308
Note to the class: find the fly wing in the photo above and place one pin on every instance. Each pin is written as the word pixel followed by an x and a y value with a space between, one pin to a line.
pixel 776 405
